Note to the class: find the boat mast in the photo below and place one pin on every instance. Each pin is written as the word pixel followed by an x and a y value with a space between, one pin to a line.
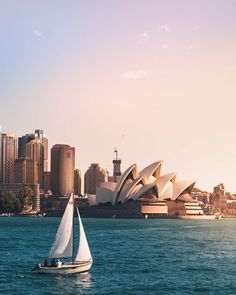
pixel 73 228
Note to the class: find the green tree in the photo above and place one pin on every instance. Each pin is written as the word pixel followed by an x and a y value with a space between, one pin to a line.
pixel 26 195
pixel 7 202
pixel 2 203
pixel 18 206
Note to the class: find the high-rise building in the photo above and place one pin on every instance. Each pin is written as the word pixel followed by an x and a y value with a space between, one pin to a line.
pixel 47 181
pixel 26 171
pixel 219 197
pixel 77 182
pixel 34 151
pixel 93 177
pixel 42 137
pixel 62 169
pixel 8 155
pixel 24 140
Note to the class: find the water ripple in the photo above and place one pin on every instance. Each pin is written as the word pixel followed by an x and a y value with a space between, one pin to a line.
pixel 163 257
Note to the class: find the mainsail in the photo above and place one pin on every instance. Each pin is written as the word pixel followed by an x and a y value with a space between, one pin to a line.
pixel 83 250
pixel 63 245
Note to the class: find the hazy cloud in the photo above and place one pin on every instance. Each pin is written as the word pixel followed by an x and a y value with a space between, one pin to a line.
pixel 164 28
pixel 135 75
pixel 145 36
pixel 37 33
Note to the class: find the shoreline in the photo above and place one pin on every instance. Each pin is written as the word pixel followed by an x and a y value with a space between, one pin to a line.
pixel 184 217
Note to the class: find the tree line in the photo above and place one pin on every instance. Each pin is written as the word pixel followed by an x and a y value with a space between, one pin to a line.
pixel 10 203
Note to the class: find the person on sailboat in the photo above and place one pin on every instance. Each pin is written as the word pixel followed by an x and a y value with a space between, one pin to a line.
pixel 56 263
pixel 46 263
pixel 59 263
pixel 53 263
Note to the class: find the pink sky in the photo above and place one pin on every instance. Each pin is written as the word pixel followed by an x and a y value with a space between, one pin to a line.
pixel 156 79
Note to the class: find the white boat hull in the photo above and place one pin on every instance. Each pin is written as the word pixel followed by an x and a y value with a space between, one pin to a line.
pixel 67 268
pixel 198 217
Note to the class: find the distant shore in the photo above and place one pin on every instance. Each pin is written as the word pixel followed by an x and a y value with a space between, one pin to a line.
pixel 118 216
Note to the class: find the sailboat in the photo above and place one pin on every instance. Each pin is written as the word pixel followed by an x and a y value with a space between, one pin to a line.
pixel 63 247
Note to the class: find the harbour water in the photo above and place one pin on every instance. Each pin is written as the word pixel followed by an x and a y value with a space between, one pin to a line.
pixel 130 257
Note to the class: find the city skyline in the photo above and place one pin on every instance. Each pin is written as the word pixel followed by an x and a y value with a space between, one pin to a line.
pixel 154 79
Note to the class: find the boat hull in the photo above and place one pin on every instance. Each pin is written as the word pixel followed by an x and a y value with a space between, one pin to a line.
pixel 67 268
pixel 197 217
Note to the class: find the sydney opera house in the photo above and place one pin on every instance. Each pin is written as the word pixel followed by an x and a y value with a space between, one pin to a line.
pixel 146 194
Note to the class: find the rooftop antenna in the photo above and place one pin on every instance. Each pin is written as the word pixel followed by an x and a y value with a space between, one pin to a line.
pixel 116 154
pixel 116 165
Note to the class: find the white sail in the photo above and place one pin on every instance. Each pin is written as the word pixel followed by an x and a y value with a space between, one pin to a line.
pixel 63 245
pixel 83 250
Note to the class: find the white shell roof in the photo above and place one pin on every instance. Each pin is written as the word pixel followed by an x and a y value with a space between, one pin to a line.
pixel 133 185
pixel 167 193
pixel 132 169
pixel 164 182
pixel 187 198
pixel 104 195
pixel 151 170
pixel 134 191
pixel 144 189
pixel 180 186
pixel 125 194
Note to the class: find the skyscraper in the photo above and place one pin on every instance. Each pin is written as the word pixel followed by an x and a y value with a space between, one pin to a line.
pixel 47 181
pixel 93 177
pixel 22 142
pixel 42 137
pixel 38 134
pixel 77 182
pixel 62 169
pixel 8 155
pixel 26 171
pixel 35 151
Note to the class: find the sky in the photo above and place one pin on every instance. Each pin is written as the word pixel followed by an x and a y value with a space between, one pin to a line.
pixel 154 78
